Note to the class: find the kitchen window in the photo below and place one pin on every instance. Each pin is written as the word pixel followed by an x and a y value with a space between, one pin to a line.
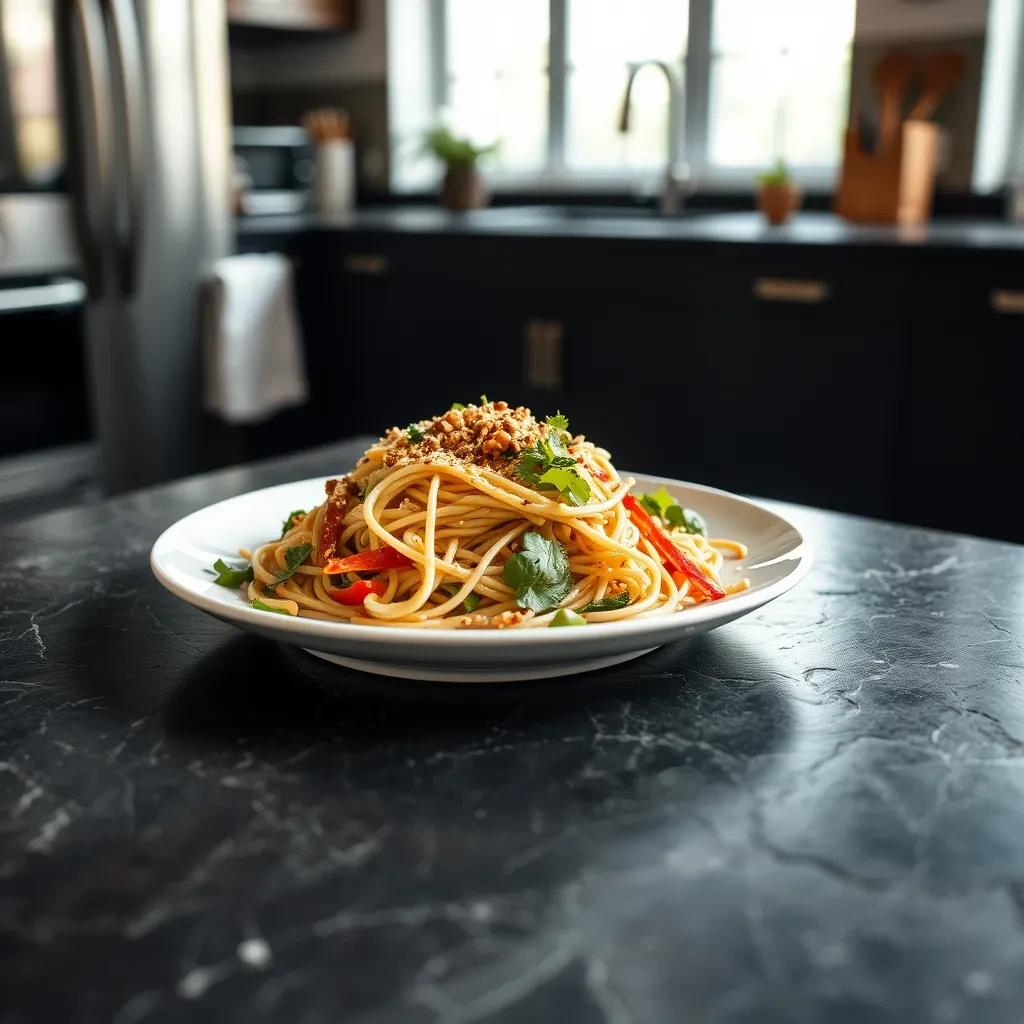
pixel 760 81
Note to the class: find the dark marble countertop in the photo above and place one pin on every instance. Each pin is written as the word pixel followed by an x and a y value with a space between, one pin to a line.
pixel 697 226
pixel 813 814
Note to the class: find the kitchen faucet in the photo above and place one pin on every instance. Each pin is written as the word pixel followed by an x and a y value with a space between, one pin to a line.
pixel 677 173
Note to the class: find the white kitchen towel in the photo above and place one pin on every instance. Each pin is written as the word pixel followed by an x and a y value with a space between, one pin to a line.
pixel 252 347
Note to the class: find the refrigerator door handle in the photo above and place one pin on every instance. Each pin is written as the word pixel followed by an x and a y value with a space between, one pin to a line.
pixel 127 64
pixel 91 158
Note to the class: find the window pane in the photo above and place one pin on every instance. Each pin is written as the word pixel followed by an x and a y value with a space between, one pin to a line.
pixel 779 81
pixel 604 36
pixel 746 25
pixel 497 60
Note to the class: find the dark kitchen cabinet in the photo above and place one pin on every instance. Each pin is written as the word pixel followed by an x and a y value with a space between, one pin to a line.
pixel 965 444
pixel 867 380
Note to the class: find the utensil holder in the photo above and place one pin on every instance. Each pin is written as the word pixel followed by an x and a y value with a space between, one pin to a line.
pixel 894 186
pixel 334 183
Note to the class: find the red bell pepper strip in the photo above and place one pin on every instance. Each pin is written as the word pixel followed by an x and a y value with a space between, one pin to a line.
pixel 375 560
pixel 673 558
pixel 358 592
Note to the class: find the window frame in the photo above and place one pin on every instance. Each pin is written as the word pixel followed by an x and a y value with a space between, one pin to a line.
pixel 556 175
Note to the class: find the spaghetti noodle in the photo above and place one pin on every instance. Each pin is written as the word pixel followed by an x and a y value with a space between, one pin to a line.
pixel 485 517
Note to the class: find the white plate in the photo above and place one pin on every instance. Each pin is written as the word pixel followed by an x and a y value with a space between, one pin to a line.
pixel 778 559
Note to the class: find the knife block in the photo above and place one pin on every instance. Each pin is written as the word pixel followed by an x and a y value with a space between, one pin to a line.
pixel 892 187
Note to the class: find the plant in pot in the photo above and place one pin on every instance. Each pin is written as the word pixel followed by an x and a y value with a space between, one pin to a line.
pixel 777 195
pixel 463 187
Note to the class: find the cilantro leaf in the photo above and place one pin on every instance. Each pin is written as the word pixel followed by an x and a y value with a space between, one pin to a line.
pixel 694 522
pixel 574 489
pixel 471 601
pixel 290 521
pixel 414 432
pixel 231 576
pixel 657 503
pixel 662 504
pixel 548 464
pixel 261 607
pixel 539 574
pixel 558 422
pixel 531 465
pixel 293 558
pixel 609 604
pixel 567 617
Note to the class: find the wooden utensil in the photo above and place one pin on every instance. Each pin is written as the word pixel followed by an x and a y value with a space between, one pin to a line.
pixel 892 76
pixel 941 72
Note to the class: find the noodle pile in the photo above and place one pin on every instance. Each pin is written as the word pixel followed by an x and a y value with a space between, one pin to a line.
pixel 449 495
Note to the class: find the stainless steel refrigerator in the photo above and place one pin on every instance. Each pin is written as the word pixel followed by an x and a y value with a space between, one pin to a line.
pixel 146 127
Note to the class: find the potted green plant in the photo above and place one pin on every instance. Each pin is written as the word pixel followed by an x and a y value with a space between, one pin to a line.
pixel 777 194
pixel 463 187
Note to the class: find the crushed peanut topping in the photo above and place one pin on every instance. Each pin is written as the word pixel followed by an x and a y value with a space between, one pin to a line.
pixel 501 621
pixel 490 435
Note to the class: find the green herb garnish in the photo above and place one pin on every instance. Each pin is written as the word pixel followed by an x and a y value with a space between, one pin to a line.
pixel 293 558
pixel 231 576
pixel 458 406
pixel 662 504
pixel 609 604
pixel 483 399
pixel 549 464
pixel 261 607
pixel 567 617
pixel 290 521
pixel 414 432
pixel 539 573
pixel 471 600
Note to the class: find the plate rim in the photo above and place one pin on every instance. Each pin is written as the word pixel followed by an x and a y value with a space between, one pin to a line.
pixel 410 637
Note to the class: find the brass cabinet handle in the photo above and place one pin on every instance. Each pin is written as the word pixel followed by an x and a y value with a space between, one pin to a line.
pixel 1007 300
pixel 542 355
pixel 370 264
pixel 791 289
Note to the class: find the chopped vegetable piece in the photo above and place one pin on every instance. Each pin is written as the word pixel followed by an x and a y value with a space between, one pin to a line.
pixel 662 504
pixel 471 601
pixel 231 576
pixel 673 558
pixel 458 405
pixel 358 592
pixel 539 574
pixel 483 399
pixel 368 561
pixel 567 617
pixel 414 432
pixel 609 604
pixel 261 607
pixel 293 558
pixel 289 523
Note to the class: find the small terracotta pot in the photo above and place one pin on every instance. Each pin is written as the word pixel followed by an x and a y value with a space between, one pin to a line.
pixel 778 202
pixel 464 189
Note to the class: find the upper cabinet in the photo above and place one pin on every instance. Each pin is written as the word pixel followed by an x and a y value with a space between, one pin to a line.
pixel 295 15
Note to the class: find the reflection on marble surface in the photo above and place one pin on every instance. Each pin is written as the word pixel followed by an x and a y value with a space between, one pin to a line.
pixel 814 813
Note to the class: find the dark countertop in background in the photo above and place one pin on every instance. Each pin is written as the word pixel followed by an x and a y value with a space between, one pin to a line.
pixel 814 813
pixel 745 228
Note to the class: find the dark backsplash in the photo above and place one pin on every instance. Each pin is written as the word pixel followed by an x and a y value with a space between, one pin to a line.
pixel 366 103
